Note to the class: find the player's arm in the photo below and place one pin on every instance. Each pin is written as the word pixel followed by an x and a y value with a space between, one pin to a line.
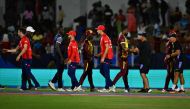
pixel 105 53
pixel 176 53
pixel 22 52
pixel 124 46
pixel 59 51
pixel 134 50
pixel 11 50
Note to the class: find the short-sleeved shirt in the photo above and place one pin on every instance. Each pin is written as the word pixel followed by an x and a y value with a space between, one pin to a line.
pixel 87 50
pixel 176 46
pixel 103 41
pixel 58 39
pixel 122 40
pixel 144 53
pixel 28 54
pixel 73 53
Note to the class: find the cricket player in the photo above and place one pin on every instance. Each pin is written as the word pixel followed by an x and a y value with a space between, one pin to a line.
pixel 106 57
pixel 25 56
pixel 123 59
pixel 59 60
pixel 177 56
pixel 88 54
pixel 144 51
pixel 72 61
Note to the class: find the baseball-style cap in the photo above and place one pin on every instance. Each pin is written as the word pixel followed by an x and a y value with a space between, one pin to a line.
pixel 172 34
pixel 101 27
pixel 30 29
pixel 142 33
pixel 89 32
pixel 72 32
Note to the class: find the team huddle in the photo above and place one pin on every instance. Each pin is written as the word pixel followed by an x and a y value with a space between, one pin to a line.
pixel 173 60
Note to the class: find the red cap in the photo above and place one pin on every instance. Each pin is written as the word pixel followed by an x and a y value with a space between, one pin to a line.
pixel 101 27
pixel 72 32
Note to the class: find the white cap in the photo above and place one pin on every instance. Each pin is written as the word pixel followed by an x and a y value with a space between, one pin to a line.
pixel 30 29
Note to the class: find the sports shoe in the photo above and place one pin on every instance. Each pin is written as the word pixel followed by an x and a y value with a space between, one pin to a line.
pixel 60 90
pixel 104 90
pixel 112 89
pixel 181 91
pixel 79 88
pixel 164 90
pixel 148 90
pixel 51 85
pixel 177 89
pixel 69 90
pixel 142 91
pixel 126 91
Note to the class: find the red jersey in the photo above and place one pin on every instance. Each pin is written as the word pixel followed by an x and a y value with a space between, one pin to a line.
pixel 28 54
pixel 103 41
pixel 73 53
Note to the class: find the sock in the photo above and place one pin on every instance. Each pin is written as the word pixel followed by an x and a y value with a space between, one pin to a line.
pixel 173 87
pixel 182 87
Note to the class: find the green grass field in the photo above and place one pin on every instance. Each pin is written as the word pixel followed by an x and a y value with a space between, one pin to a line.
pixel 86 100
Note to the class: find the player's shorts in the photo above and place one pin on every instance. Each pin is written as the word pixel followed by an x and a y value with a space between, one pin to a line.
pixel 144 69
pixel 178 66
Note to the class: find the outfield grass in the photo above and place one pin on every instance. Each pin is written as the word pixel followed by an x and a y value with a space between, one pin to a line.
pixel 90 102
pixel 11 98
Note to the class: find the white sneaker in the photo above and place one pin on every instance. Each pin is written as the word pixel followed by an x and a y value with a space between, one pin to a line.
pixel 51 85
pixel 104 90
pixel 79 88
pixel 60 90
pixel 126 91
pixel 163 91
pixel 177 90
pixel 112 88
pixel 69 90
pixel 149 90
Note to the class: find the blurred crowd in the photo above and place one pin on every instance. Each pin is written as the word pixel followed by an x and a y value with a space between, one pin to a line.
pixel 148 16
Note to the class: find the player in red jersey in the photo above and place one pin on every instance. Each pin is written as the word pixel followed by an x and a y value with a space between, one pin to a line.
pixel 25 55
pixel 106 55
pixel 72 61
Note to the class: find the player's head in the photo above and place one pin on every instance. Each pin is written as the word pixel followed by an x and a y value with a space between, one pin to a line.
pixel 21 31
pixel 100 29
pixel 172 36
pixel 89 34
pixel 141 36
pixel 30 29
pixel 71 34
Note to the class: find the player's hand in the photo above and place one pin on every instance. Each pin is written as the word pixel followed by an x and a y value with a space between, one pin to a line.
pixel 17 58
pixel 96 56
pixel 167 56
pixel 5 50
pixel 69 62
pixel 102 60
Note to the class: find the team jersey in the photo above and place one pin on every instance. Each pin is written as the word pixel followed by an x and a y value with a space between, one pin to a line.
pixel 144 53
pixel 122 40
pixel 28 54
pixel 103 41
pixel 87 50
pixel 176 46
pixel 58 39
pixel 73 53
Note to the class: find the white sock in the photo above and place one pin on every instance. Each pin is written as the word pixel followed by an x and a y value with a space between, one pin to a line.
pixel 173 87
pixel 182 87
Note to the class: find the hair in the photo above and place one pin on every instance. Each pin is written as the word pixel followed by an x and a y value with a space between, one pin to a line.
pixel 22 29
